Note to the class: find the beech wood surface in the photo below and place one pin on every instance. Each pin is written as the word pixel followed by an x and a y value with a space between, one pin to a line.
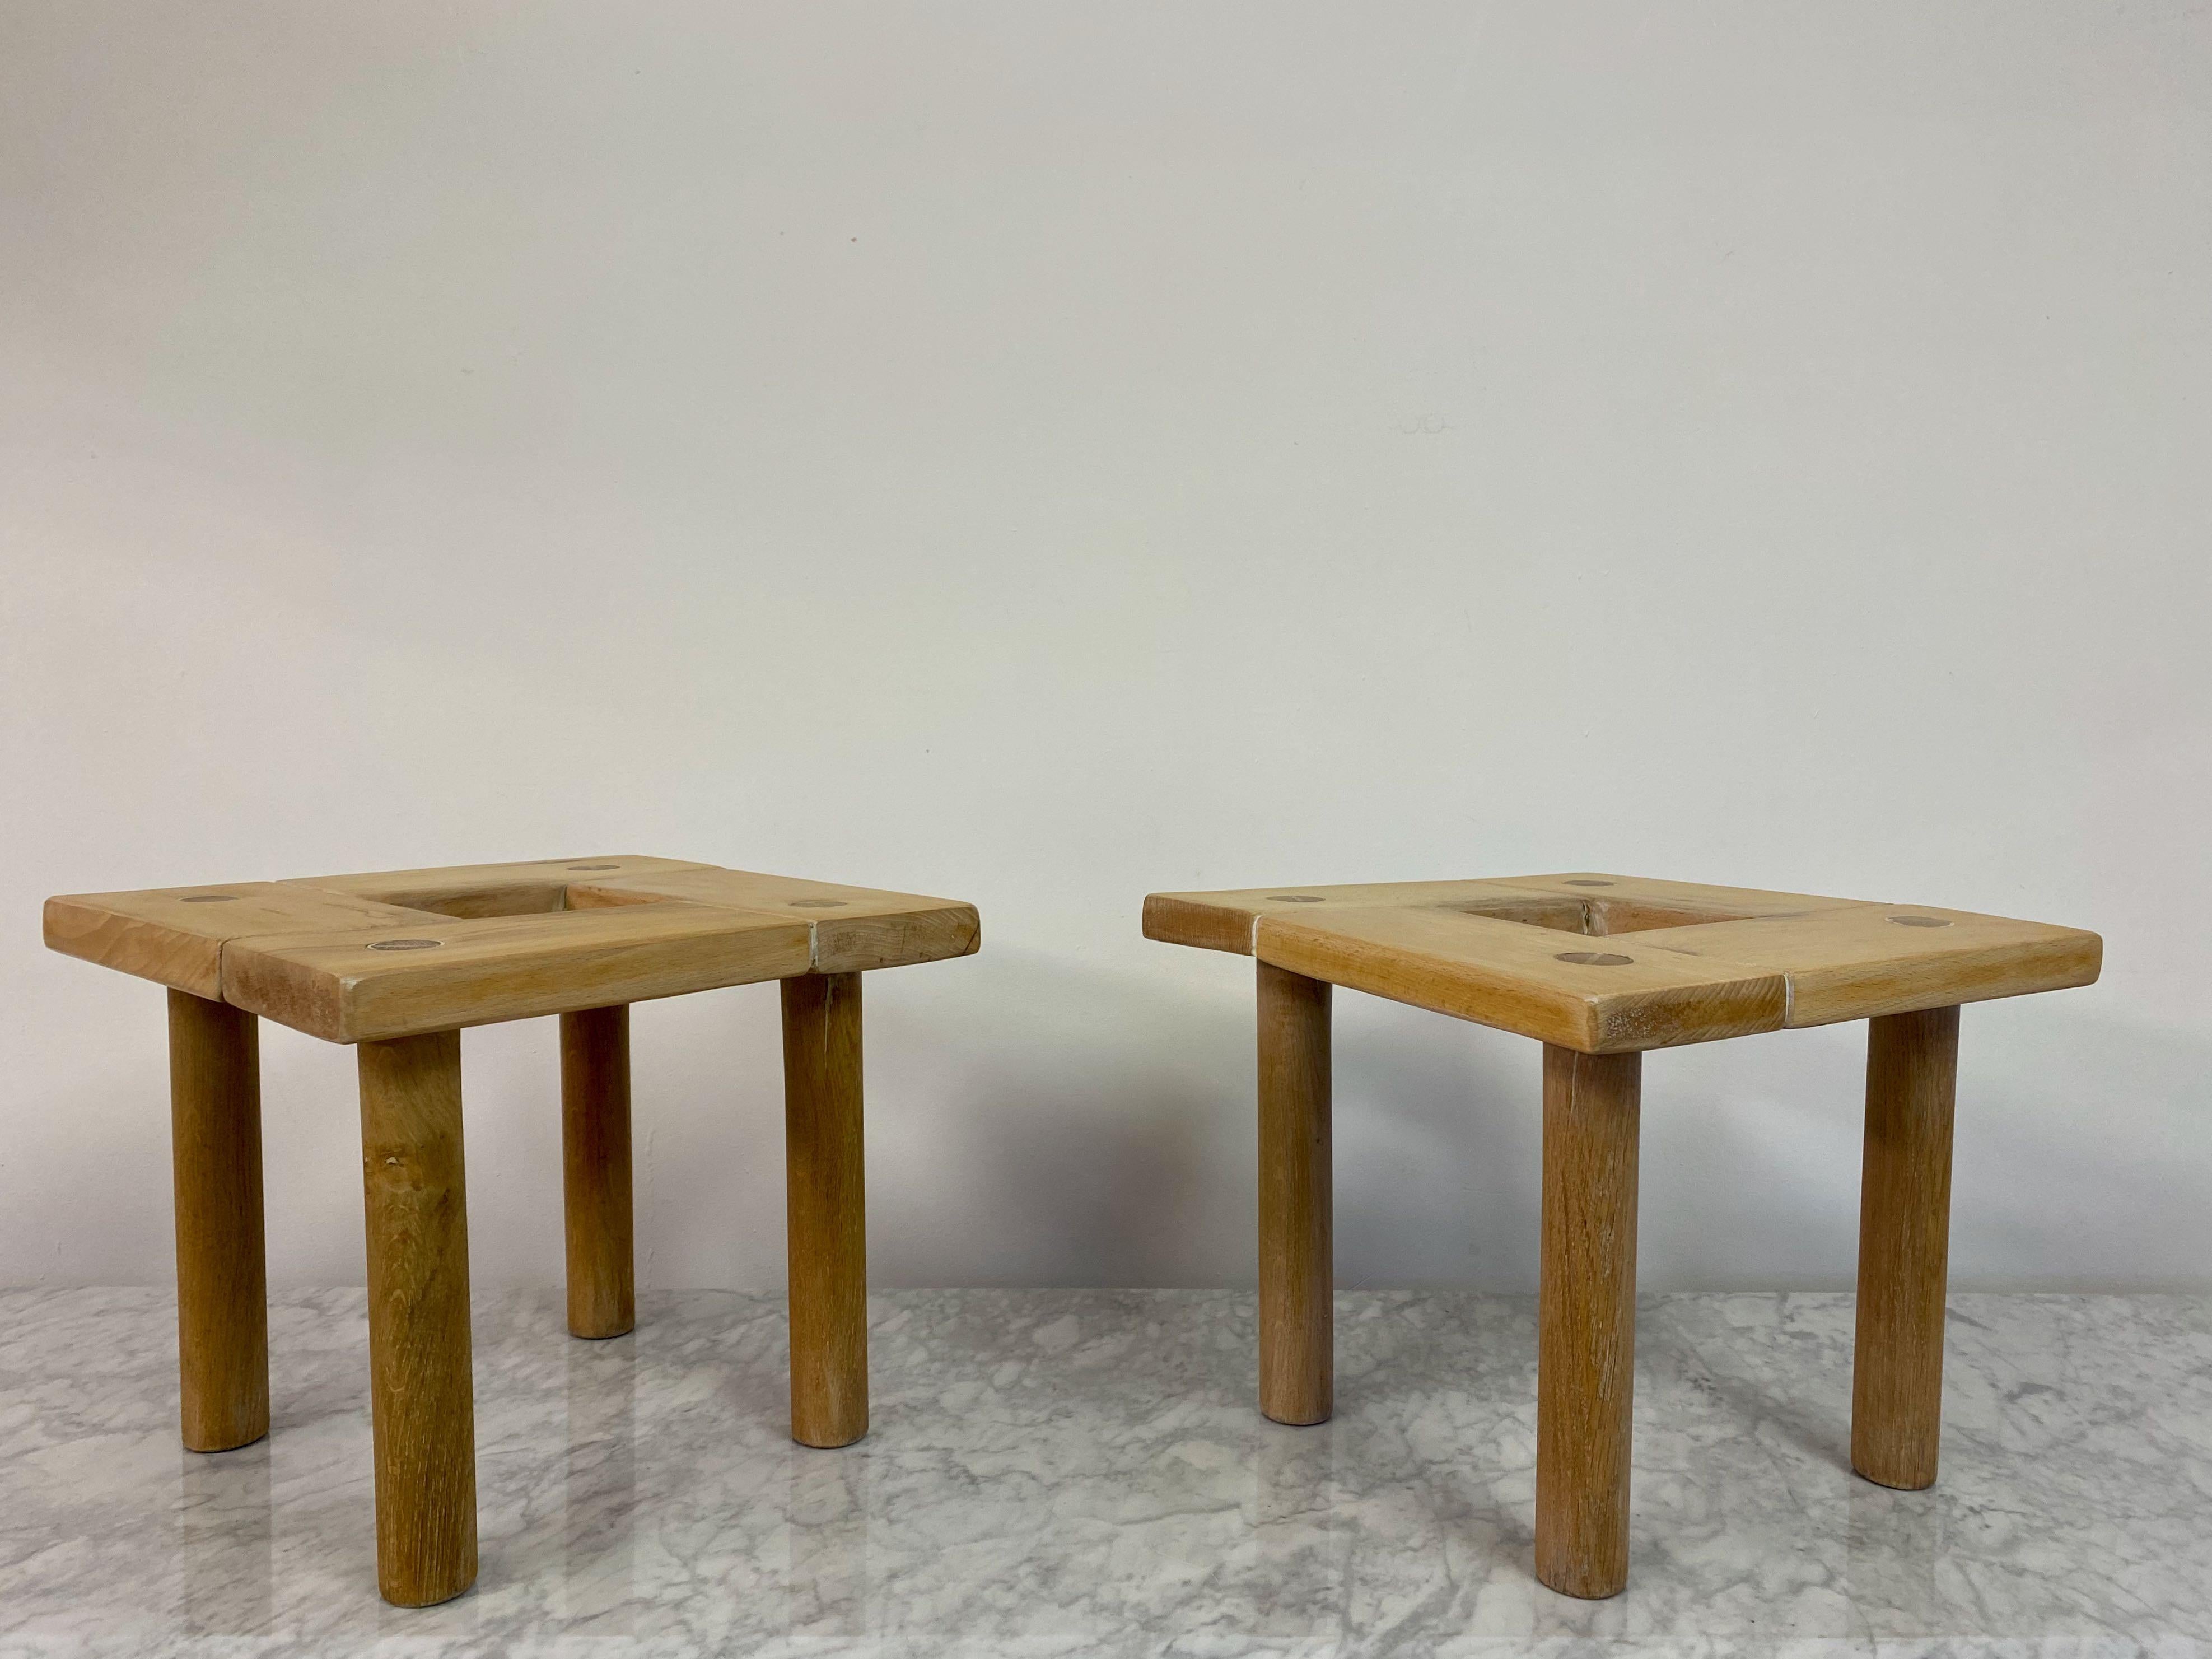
pixel 175 935
pixel 1586 1320
pixel 457 884
pixel 1537 981
pixel 1297 1323
pixel 1905 1232
pixel 477 971
pixel 595 1164
pixel 1682 962
pixel 223 1280
pixel 1866 961
pixel 421 1397
pixel 392 953
pixel 854 928
pixel 1224 921
pixel 828 1214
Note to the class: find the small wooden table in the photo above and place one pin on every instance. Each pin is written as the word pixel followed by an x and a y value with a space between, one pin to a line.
pixel 1600 968
pixel 397 962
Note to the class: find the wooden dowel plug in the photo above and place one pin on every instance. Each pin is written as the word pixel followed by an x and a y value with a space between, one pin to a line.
pixel 421 1392
pixel 1905 1240
pixel 222 1273
pixel 1298 1325
pixel 828 1214
pixel 596 1171
pixel 1586 1320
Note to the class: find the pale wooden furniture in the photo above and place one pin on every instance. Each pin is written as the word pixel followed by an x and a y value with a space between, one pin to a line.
pixel 1600 968
pixel 397 962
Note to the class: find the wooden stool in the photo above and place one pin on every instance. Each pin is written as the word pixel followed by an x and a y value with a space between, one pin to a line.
pixel 1650 965
pixel 397 963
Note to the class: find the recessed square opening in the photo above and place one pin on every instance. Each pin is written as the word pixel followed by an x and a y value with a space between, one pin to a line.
pixel 513 898
pixel 521 898
pixel 1596 918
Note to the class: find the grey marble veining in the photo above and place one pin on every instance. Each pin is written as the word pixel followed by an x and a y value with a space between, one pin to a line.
pixel 1063 1473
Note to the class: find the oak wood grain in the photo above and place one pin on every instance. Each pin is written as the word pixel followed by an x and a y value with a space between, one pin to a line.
pixel 1297 1331
pixel 356 988
pixel 450 884
pixel 1905 1232
pixel 1611 963
pixel 1868 960
pixel 826 1175
pixel 1650 890
pixel 175 935
pixel 595 1163
pixel 222 1277
pixel 855 929
pixel 421 1397
pixel 1556 987
pixel 1586 1320
pixel 1225 921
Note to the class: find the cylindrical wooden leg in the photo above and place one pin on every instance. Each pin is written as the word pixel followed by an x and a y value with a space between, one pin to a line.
pixel 1586 1320
pixel 421 1390
pixel 828 1220
pixel 1298 1325
pixel 222 1273
pixel 1905 1240
pixel 595 1168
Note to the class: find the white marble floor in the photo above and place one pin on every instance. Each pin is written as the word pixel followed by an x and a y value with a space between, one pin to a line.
pixel 1083 1472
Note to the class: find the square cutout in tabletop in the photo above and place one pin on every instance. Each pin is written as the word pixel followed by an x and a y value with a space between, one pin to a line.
pixel 386 953
pixel 1594 918
pixel 531 888
pixel 1687 962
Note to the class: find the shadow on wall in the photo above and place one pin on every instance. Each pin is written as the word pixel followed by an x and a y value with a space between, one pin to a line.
pixel 1073 1160
pixel 1070 1160
pixel 1037 1121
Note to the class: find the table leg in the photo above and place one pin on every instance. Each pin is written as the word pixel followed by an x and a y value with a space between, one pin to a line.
pixel 422 1393
pixel 1586 1320
pixel 223 1272
pixel 596 1171
pixel 828 1213
pixel 1905 1236
pixel 1298 1326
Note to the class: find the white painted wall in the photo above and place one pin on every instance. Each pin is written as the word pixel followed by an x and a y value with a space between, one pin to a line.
pixel 1043 454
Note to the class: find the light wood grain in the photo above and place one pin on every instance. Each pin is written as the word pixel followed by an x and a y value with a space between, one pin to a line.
pixel 517 898
pixel 421 1394
pixel 1540 955
pixel 595 1158
pixel 222 1281
pixel 1904 1231
pixel 1225 921
pixel 344 988
pixel 1298 1329
pixel 442 886
pixel 1522 978
pixel 828 1216
pixel 293 951
pixel 1650 890
pixel 175 935
pixel 398 960
pixel 1868 960
pixel 1586 1320
pixel 855 929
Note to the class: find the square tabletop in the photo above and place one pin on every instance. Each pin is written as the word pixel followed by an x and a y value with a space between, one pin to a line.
pixel 1609 964
pixel 392 953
